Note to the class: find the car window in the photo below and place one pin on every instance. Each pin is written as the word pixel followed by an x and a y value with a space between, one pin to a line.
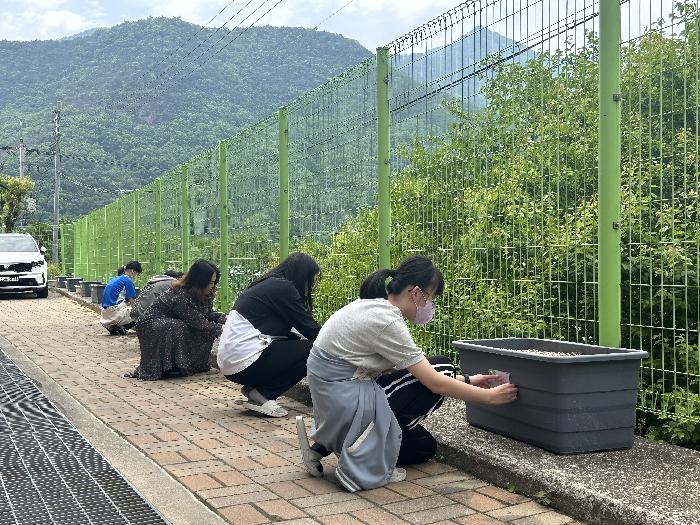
pixel 17 244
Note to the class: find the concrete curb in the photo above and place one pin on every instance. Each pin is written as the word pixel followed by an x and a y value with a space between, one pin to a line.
pixel 83 301
pixel 175 502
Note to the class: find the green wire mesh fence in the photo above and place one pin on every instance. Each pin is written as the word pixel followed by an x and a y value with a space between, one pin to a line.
pixel 494 174
pixel 660 242
pixel 492 164
pixel 332 159
pixel 253 202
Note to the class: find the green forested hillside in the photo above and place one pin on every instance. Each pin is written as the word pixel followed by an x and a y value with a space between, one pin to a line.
pixel 261 70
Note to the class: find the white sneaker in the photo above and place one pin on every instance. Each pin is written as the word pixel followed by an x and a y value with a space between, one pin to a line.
pixel 310 458
pixel 399 474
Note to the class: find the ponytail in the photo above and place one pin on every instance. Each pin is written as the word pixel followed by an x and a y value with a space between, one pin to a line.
pixel 374 287
pixel 416 270
pixel 131 265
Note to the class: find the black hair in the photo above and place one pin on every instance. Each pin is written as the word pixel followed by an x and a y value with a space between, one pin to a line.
pixel 416 270
pixel 299 268
pixel 175 274
pixel 198 277
pixel 131 265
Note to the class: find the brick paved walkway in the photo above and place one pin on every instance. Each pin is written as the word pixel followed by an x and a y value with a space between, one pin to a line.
pixel 245 467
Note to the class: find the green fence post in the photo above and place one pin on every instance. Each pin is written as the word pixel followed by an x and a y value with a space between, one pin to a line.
pixel 105 244
pixel 185 218
pixel 223 226
pixel 609 180
pixel 76 247
pixel 120 230
pixel 283 147
pixel 158 255
pixel 137 219
pixel 87 243
pixel 383 167
pixel 62 258
pixel 92 239
pixel 83 251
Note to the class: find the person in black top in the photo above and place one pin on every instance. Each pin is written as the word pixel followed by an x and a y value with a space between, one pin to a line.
pixel 257 348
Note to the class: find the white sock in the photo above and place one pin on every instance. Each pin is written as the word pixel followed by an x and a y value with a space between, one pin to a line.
pixel 256 397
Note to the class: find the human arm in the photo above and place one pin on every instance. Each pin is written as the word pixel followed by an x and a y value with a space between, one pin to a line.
pixel 129 290
pixel 446 386
pixel 183 308
pixel 291 307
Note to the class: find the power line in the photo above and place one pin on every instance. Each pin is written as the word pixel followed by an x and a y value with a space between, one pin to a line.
pixel 100 162
pixel 167 87
pixel 150 83
pixel 183 44
pixel 333 14
pixel 324 20
pixel 135 102
pixel 97 189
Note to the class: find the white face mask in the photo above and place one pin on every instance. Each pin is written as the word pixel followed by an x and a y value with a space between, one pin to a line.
pixel 424 314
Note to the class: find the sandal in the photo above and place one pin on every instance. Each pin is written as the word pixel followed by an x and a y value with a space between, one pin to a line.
pixel 269 408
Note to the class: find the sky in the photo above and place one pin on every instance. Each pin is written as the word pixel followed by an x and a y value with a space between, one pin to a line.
pixel 371 22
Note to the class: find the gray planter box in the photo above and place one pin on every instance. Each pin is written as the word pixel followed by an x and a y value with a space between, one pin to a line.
pixel 72 282
pixel 85 290
pixel 566 403
pixel 96 292
pixel 61 281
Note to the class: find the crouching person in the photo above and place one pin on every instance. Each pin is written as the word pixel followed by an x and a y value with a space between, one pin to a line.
pixel 177 332
pixel 155 287
pixel 118 298
pixel 258 349
pixel 371 386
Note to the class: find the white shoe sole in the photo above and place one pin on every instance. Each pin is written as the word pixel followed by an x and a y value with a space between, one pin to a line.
pixel 269 408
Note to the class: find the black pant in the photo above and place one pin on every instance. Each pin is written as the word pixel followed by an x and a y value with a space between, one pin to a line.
pixel 280 366
pixel 411 403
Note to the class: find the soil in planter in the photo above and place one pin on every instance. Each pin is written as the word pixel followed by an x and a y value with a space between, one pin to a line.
pixel 545 352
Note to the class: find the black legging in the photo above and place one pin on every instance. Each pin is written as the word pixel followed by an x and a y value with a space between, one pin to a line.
pixel 280 366
pixel 412 402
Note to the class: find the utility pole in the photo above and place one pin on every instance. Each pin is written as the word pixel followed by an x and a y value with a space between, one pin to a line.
pixel 56 179
pixel 21 155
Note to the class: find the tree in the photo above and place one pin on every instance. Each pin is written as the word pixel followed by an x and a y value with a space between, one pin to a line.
pixel 14 192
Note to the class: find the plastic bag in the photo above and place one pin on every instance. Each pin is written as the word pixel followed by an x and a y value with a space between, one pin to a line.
pixel 501 379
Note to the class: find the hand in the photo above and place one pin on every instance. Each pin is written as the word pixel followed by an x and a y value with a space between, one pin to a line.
pixel 502 394
pixel 481 380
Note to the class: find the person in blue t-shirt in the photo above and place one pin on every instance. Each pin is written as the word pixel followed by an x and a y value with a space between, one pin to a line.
pixel 119 295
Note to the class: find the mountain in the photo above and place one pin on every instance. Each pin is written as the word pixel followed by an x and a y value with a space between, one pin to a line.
pixel 460 67
pixel 107 148
pixel 82 34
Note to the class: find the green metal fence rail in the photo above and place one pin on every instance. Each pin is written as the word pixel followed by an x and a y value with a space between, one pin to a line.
pixel 542 152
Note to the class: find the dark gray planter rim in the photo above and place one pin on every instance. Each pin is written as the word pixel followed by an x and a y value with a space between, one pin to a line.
pixel 612 354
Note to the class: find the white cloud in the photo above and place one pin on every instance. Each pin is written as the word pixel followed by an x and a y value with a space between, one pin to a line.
pixel 45 19
pixel 372 22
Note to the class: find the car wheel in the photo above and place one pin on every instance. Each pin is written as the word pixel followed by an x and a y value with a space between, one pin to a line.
pixel 43 293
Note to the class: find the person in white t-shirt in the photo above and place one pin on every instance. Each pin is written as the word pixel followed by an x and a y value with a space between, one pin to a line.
pixel 371 386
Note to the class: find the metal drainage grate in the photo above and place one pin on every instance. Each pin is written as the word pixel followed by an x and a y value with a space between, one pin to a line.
pixel 49 473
